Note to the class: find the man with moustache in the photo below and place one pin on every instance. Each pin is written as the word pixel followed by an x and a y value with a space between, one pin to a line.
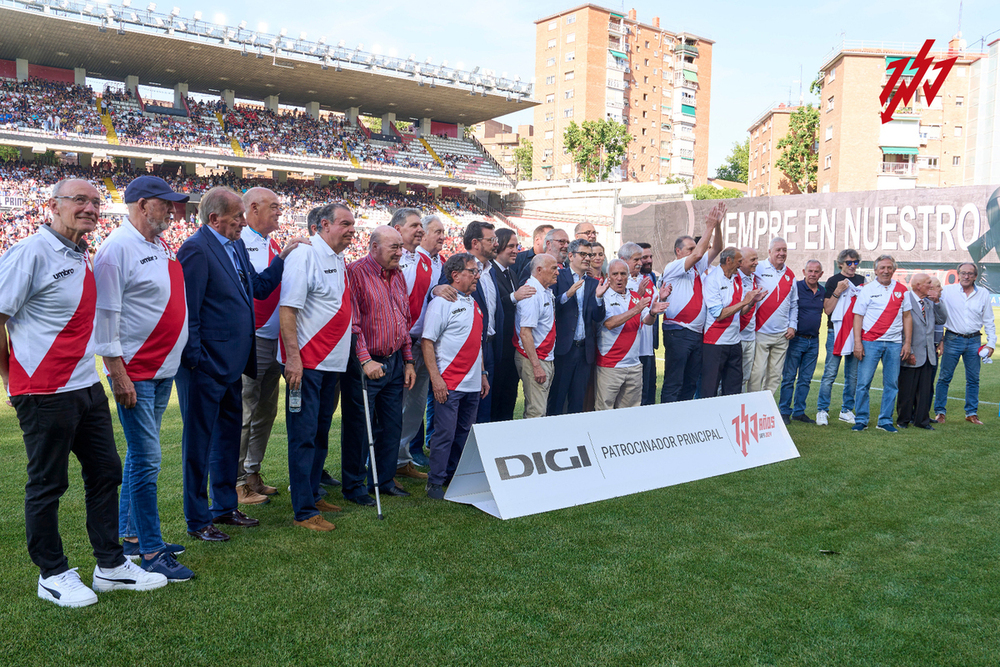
pixel 556 245
pixel 504 386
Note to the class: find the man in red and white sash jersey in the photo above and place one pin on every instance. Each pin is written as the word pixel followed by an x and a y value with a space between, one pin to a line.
pixel 725 302
pixel 315 311
pixel 260 393
pixel 453 354
pixel 748 319
pixel 140 330
pixel 684 320
pixel 776 318
pixel 882 332
pixel 618 378
pixel 422 270
pixel 48 300
pixel 535 335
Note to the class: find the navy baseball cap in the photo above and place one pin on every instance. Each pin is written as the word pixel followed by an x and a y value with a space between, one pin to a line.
pixel 151 187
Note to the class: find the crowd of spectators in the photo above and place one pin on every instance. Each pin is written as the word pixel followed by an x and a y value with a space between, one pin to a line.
pixel 263 132
pixel 51 106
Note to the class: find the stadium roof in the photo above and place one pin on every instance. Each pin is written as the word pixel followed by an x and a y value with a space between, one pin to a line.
pixel 115 41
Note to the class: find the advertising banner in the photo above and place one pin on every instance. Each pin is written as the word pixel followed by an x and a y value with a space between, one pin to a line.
pixel 12 200
pixel 528 466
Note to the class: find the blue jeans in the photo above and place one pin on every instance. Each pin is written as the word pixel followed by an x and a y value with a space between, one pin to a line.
pixel 799 360
pixel 888 353
pixel 138 515
pixel 966 349
pixel 830 370
pixel 309 439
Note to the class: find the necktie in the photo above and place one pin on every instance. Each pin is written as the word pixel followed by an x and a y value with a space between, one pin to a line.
pixel 923 311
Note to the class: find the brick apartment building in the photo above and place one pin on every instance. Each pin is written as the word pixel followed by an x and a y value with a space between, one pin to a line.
pixel 763 178
pixel 593 63
pixel 501 140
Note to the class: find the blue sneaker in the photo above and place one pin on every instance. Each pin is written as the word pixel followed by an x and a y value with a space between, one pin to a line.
pixel 888 428
pixel 859 427
pixel 132 550
pixel 420 459
pixel 164 563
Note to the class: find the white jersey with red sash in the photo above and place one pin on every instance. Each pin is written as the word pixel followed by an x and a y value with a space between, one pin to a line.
pixel 619 347
pixel 748 321
pixel 537 312
pixel 779 311
pixel 421 271
pixel 141 306
pixel 49 293
pixel 262 251
pixel 456 327
pixel 722 292
pixel 843 321
pixel 883 307
pixel 686 301
pixel 314 282
pixel 645 330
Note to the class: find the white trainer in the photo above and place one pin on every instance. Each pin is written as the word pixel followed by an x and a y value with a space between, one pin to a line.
pixel 66 590
pixel 127 576
pixel 821 418
pixel 847 416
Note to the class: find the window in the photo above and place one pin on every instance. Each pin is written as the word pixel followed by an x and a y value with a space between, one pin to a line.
pixel 550 62
pixel 568 94
pixel 828 162
pixel 549 80
pixel 829 132
pixel 549 134
pixel 933 132
pixel 570 76
pixel 553 25
pixel 831 75
pixel 926 162
pixel 570 56
pixel 958 130
pixel 829 104
pixel 643 114
pixel 566 168
pixel 956 161
pixel 754 174
pixel 549 116
pixel 546 155
pixel 645 97
pixel 645 79
pixel 645 62
pixel 571 19
pixel 550 98
pixel 826 187
pixel 568 113
pixel 551 44
pixel 959 101
pixel 570 38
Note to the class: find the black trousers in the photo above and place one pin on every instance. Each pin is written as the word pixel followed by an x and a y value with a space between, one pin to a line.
pixel 721 364
pixel 504 387
pixel 648 379
pixel 916 390
pixel 681 365
pixel 54 425
pixel 569 386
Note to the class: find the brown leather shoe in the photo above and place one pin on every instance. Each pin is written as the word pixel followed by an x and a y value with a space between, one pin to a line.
pixel 236 518
pixel 939 418
pixel 258 486
pixel 324 506
pixel 317 523
pixel 974 420
pixel 247 496
pixel 409 470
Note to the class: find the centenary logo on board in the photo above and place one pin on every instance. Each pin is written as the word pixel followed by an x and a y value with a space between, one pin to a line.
pixel 752 426
pixel 917 70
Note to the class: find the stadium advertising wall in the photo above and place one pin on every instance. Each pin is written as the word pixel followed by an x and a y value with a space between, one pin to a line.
pixel 934 228
pixel 11 200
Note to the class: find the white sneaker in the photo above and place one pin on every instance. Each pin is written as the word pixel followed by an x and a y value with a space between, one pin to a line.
pixel 821 418
pixel 847 416
pixel 128 576
pixel 66 590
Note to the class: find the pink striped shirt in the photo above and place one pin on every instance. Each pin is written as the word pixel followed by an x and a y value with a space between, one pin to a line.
pixel 381 310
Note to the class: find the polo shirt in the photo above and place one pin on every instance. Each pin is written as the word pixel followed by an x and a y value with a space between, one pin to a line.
pixel 456 328
pixel 810 309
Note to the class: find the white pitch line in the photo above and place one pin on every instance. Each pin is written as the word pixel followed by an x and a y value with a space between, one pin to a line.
pixel 950 398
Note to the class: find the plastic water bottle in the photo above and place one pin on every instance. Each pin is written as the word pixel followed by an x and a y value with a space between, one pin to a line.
pixel 983 352
pixel 295 400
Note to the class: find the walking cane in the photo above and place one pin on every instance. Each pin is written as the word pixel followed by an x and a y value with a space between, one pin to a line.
pixel 371 442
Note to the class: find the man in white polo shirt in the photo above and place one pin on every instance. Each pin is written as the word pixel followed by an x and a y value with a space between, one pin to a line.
pixel 882 332
pixel 535 329
pixel 315 345
pixel 776 318
pixel 748 319
pixel 725 301
pixel 48 300
pixel 969 312
pixel 140 330
pixel 453 354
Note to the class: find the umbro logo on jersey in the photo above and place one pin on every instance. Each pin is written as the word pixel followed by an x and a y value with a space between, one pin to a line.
pixel 458 310
pixel 63 274
pixel 329 270
pixel 252 249
pixel 151 258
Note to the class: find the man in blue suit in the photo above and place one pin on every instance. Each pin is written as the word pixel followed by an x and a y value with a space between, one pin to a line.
pixel 579 310
pixel 220 285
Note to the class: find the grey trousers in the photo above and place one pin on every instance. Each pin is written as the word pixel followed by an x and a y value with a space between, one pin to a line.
pixel 414 406
pixel 260 406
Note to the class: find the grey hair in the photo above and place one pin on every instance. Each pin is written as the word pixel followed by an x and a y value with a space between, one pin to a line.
pixel 256 194
pixel 551 234
pixel 629 249
pixel 400 216
pixel 218 201
pixel 972 264
pixel 679 243
pixel 576 244
pixel 775 240
pixel 61 185
pixel 456 262
pixel 814 261
pixel 888 257
pixel 846 254
pixel 727 254
pixel 312 220
pixel 617 261
pixel 426 221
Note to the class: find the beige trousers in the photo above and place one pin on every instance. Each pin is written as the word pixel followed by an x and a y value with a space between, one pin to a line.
pixel 749 348
pixel 617 387
pixel 768 362
pixel 536 396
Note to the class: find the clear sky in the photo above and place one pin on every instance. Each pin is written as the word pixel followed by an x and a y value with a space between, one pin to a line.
pixel 759 46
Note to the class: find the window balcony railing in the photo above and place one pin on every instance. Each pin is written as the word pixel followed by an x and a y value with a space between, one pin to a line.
pixel 617 84
pixel 899 168
pixel 616 28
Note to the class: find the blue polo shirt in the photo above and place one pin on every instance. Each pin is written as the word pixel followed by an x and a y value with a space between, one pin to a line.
pixel 810 309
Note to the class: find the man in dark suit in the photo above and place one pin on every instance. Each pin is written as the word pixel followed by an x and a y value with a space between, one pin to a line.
pixel 916 376
pixel 537 248
pixel 504 387
pixel 556 245
pixel 220 285
pixel 579 310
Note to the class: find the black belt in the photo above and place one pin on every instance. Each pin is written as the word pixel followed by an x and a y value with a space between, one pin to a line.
pixel 971 335
pixel 580 343
pixel 381 360
pixel 806 336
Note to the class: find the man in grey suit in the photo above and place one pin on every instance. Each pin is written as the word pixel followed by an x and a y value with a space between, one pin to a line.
pixel 916 376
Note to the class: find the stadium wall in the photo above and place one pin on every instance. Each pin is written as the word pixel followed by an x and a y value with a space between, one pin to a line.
pixel 52 74
pixel 8 69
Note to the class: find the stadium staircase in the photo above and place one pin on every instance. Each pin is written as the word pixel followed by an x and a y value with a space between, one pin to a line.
pixel 447 215
pixel 116 195
pixel 354 160
pixel 111 135
pixel 237 149
pixel 431 152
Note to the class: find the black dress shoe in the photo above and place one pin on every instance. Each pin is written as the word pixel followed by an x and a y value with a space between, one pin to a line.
pixel 236 518
pixel 903 425
pixel 928 427
pixel 326 479
pixel 209 534
pixel 787 419
pixel 804 419
pixel 364 501
pixel 396 491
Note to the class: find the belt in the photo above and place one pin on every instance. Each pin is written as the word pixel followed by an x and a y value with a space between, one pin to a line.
pixel 489 339
pixel 806 336
pixel 977 334
pixel 580 343
pixel 381 359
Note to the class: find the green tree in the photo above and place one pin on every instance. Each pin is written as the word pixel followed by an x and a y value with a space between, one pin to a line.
pixel 9 154
pixel 523 157
pixel 737 165
pixel 798 160
pixel 711 192
pixel 597 146
pixel 816 87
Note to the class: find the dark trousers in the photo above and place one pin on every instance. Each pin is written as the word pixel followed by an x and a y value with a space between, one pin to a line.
pixel 503 387
pixel 212 413
pixel 453 421
pixel 916 389
pixel 569 385
pixel 53 425
pixel 309 439
pixel 648 379
pixel 721 364
pixel 385 401
pixel 681 365
pixel 485 410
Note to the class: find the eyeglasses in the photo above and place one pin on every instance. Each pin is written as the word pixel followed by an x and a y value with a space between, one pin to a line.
pixel 966 274
pixel 852 262
pixel 585 254
pixel 474 272
pixel 82 200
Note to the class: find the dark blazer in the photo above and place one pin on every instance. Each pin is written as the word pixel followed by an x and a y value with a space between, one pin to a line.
pixel 509 309
pixel 567 313
pixel 221 336
pixel 656 319
pixel 522 261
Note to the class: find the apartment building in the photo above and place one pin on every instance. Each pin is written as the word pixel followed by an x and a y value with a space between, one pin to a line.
pixel 982 166
pixel 592 63
pixel 501 140
pixel 764 179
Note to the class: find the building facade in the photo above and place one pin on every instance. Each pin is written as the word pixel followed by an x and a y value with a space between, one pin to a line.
pixel 501 140
pixel 763 177
pixel 593 63
pixel 983 164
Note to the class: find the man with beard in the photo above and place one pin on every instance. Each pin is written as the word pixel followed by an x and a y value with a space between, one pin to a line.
pixel 556 245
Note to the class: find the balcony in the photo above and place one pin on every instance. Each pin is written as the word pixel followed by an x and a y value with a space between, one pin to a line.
pixel 617 65
pixel 687 49
pixel 616 27
pixel 691 67
pixel 686 153
pixel 899 168
pixel 688 100
pixel 613 104
pixel 617 84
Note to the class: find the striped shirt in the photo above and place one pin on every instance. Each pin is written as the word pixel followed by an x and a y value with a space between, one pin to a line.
pixel 381 310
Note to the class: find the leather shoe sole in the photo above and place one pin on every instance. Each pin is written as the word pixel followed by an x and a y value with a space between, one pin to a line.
pixel 236 518
pixel 209 534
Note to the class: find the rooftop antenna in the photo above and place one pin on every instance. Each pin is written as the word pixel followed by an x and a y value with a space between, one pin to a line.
pixel 959 17
pixel 802 99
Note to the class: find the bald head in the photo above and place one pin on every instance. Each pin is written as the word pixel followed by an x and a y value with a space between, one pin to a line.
pixel 263 210
pixel 544 269
pixel 386 247
pixel 920 283
pixel 748 260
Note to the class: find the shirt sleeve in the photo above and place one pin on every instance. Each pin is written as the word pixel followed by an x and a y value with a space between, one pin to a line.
pixel 713 297
pixel 109 280
pixel 434 320
pixel 528 310
pixel 295 280
pixel 861 303
pixel 831 287
pixel 107 327
pixel 672 271
pixel 907 302
pixel 989 324
pixel 17 270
